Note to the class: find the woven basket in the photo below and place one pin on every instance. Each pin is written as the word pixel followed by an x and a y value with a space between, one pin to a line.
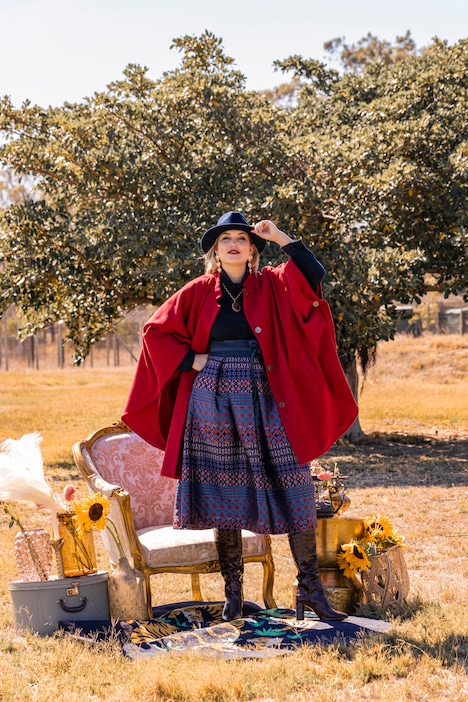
pixel 386 583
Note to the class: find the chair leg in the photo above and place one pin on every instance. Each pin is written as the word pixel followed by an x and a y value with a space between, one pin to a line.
pixel 196 591
pixel 149 603
pixel 268 581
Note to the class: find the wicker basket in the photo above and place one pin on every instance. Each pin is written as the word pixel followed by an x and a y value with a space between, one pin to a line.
pixel 386 583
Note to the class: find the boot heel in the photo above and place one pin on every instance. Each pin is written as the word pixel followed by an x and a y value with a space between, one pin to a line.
pixel 310 589
pixel 299 611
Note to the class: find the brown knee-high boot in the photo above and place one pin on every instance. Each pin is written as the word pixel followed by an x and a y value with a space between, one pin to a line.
pixel 310 592
pixel 229 545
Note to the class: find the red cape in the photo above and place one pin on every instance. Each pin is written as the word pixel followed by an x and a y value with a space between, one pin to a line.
pixel 296 334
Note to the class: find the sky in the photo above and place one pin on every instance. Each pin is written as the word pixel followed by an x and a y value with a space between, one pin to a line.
pixel 57 51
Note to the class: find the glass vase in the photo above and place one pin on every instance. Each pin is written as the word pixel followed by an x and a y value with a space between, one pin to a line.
pixel 127 599
pixel 33 554
pixel 78 553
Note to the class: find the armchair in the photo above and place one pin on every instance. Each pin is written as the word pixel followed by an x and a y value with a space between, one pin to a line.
pixel 117 463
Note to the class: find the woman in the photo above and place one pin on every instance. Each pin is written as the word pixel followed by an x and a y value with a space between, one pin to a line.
pixel 239 383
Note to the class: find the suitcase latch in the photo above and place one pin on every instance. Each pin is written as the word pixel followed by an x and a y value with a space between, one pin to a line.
pixel 75 590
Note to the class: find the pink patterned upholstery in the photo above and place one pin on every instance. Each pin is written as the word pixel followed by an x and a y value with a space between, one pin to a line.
pixel 142 511
pixel 126 460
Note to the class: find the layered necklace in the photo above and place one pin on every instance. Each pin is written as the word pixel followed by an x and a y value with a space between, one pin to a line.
pixel 235 305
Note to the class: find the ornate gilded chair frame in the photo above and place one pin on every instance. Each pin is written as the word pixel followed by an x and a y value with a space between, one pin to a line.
pixel 122 513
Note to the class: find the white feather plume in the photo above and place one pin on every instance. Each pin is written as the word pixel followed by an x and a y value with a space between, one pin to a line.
pixel 22 473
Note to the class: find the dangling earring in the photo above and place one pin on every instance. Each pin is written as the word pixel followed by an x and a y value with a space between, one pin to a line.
pixel 218 263
pixel 249 263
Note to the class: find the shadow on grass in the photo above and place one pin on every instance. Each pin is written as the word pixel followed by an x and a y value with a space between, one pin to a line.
pixel 407 610
pixel 451 650
pixel 63 471
pixel 447 648
pixel 402 460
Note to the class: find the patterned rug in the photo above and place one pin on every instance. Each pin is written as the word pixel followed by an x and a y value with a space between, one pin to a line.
pixel 197 626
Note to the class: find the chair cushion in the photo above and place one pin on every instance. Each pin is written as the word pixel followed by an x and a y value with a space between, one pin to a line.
pixel 165 546
pixel 126 460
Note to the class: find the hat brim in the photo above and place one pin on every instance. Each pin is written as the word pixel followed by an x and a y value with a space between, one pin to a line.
pixel 209 237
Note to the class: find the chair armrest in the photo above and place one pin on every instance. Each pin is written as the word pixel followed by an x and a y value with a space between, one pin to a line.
pixel 120 511
pixel 121 515
pixel 98 484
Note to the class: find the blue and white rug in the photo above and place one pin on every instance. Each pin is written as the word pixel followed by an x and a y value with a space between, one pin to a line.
pixel 198 626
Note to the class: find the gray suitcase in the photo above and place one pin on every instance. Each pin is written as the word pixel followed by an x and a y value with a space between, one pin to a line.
pixel 39 606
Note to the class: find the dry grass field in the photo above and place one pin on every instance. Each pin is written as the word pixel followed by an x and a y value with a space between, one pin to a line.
pixel 413 466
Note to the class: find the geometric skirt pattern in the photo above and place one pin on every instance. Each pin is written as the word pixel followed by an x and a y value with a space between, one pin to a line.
pixel 238 468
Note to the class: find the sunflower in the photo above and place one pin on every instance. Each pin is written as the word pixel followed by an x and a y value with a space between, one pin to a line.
pixel 372 536
pixel 92 511
pixel 379 529
pixel 353 559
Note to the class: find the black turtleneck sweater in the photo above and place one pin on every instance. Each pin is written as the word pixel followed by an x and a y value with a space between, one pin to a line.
pixel 231 325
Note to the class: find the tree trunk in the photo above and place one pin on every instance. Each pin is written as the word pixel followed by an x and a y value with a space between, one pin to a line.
pixel 355 433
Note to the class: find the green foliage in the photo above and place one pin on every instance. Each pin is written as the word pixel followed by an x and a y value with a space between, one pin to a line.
pixel 369 168
pixel 130 179
pixel 383 175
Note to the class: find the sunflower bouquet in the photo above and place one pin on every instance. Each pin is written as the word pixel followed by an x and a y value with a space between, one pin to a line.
pixel 77 555
pixel 126 585
pixel 92 512
pixel 358 554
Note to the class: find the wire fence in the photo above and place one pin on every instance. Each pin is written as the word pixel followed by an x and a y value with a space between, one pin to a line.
pixel 47 349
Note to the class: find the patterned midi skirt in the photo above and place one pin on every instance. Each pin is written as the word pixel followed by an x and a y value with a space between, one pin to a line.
pixel 238 468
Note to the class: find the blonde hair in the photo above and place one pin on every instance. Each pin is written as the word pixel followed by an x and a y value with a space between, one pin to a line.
pixel 210 258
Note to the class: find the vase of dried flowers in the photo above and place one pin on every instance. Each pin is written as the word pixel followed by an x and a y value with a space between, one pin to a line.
pixel 22 479
pixel 330 491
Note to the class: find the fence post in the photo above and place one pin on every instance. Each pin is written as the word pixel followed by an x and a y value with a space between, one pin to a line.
pixel 36 351
pixel 5 344
pixel 115 339
pixel 60 349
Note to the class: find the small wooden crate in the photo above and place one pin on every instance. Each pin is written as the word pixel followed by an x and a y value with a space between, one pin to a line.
pixel 386 583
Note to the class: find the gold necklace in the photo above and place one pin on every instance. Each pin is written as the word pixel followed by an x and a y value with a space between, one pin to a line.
pixel 235 305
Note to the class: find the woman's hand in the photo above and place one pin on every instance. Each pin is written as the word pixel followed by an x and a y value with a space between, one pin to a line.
pixel 266 229
pixel 199 361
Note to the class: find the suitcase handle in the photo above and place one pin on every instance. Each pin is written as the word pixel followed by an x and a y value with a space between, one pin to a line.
pixel 78 608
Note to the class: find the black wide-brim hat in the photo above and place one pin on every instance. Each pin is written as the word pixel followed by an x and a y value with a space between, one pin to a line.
pixel 230 220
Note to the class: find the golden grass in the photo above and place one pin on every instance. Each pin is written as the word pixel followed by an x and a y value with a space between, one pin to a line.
pixel 63 405
pixel 414 468
pixel 418 386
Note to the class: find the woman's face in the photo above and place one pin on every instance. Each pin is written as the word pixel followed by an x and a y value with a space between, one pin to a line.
pixel 234 247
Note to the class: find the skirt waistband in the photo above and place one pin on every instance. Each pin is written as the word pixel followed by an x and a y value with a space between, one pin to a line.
pixel 239 347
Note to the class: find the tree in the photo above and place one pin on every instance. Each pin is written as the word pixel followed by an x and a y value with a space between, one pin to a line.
pixel 129 179
pixel 369 167
pixel 370 49
pixel 385 154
